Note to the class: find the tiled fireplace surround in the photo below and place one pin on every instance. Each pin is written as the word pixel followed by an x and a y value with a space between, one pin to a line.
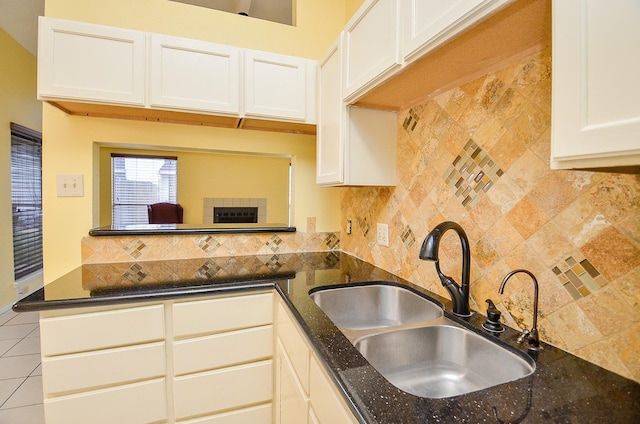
pixel 478 154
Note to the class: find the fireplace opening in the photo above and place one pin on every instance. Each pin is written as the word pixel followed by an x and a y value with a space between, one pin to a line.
pixel 235 215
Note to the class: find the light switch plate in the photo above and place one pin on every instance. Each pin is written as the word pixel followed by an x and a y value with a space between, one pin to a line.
pixel 383 234
pixel 70 185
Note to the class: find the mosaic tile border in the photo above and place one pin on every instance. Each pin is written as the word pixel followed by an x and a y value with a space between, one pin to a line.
pixel 411 121
pixel 579 277
pixel 473 171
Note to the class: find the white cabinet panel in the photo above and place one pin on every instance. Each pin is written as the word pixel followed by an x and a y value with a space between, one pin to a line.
pixel 276 86
pixel 100 330
pixel 228 388
pixel 194 75
pixel 355 146
pixel 328 406
pixel 595 107
pixel 295 346
pixel 102 368
pixel 429 23
pixel 225 314
pixel 132 404
pixel 370 47
pixel 292 400
pixel 255 415
pixel 86 62
pixel 220 350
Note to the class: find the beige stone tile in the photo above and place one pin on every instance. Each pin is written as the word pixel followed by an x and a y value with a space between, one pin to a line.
pixel 489 132
pixel 605 355
pixel 526 217
pixel 550 244
pixel 505 236
pixel 505 194
pixel 484 213
pixel 629 285
pixel 581 221
pixel 626 345
pixel 618 197
pixel 553 194
pixel 528 170
pixel 612 253
pixel 574 327
pixel 508 149
pixel 607 308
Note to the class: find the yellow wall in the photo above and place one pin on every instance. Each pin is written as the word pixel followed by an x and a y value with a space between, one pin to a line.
pixel 70 142
pixel 17 104
pixel 213 175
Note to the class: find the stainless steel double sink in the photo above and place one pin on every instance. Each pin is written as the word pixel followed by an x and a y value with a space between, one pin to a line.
pixel 407 338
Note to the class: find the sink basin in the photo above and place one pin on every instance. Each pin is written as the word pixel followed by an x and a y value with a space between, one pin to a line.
pixel 373 306
pixel 440 361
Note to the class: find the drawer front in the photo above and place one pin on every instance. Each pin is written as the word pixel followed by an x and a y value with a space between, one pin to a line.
pixel 256 415
pixel 131 404
pixel 295 346
pixel 222 350
pixel 100 330
pixel 229 388
pixel 102 368
pixel 224 314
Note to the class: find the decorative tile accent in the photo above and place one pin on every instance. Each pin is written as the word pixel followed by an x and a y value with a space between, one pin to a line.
pixel 407 237
pixel 580 278
pixel 472 172
pixel 274 263
pixel 274 243
pixel 364 224
pixel 411 121
pixel 208 244
pixel 135 274
pixel 332 241
pixel 208 269
pixel 135 248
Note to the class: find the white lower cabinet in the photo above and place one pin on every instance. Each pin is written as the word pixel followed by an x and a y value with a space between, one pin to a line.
pixel 196 361
pixel 304 391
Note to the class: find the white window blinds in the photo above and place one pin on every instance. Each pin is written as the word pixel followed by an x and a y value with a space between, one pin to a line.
pixel 138 181
pixel 26 200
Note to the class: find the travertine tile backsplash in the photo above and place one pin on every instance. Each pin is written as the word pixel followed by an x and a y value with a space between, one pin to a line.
pixel 479 155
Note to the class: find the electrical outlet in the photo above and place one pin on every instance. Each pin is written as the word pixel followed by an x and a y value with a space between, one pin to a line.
pixel 383 234
pixel 70 185
pixel 349 226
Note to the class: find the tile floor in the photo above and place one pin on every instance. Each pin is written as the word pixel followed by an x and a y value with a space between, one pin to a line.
pixel 20 376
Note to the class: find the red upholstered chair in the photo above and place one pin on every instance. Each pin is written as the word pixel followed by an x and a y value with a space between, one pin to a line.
pixel 165 213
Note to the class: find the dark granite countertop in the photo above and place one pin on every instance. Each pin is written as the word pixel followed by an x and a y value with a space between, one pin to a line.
pixel 563 388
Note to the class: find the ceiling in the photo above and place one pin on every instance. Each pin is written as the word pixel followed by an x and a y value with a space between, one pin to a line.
pixel 19 18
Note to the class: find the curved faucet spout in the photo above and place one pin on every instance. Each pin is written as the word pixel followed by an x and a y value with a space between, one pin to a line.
pixel 429 251
pixel 531 336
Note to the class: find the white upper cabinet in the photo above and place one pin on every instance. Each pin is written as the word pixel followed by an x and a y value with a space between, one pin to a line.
pixel 86 62
pixel 194 75
pixel 595 91
pixel 279 86
pixel 371 46
pixel 429 23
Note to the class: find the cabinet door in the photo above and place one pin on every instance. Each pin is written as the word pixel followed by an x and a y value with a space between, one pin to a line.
pixel 330 138
pixel 429 23
pixel 371 46
pixel 292 402
pixel 94 63
pixel 328 406
pixel 194 75
pixel 595 107
pixel 276 86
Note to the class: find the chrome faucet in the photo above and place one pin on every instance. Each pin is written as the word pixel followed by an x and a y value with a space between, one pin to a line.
pixel 429 251
pixel 533 342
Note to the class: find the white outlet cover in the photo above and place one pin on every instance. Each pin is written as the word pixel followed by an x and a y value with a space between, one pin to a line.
pixel 383 234
pixel 70 185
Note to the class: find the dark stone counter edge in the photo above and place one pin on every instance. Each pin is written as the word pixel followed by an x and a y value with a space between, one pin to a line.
pixel 189 230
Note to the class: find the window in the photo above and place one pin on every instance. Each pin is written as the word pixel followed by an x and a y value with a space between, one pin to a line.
pixel 138 181
pixel 26 200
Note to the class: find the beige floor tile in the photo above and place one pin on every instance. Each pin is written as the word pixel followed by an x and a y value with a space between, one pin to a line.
pixel 16 331
pixel 7 316
pixel 25 318
pixel 18 366
pixel 26 346
pixel 8 387
pixel 37 371
pixel 5 345
pixel 33 414
pixel 29 393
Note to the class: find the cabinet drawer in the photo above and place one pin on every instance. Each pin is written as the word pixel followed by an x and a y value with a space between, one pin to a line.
pixel 256 415
pixel 102 368
pixel 224 314
pixel 229 388
pixel 295 346
pixel 134 404
pixel 100 330
pixel 221 350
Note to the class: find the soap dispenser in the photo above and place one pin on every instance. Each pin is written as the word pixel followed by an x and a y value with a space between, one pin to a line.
pixel 492 323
